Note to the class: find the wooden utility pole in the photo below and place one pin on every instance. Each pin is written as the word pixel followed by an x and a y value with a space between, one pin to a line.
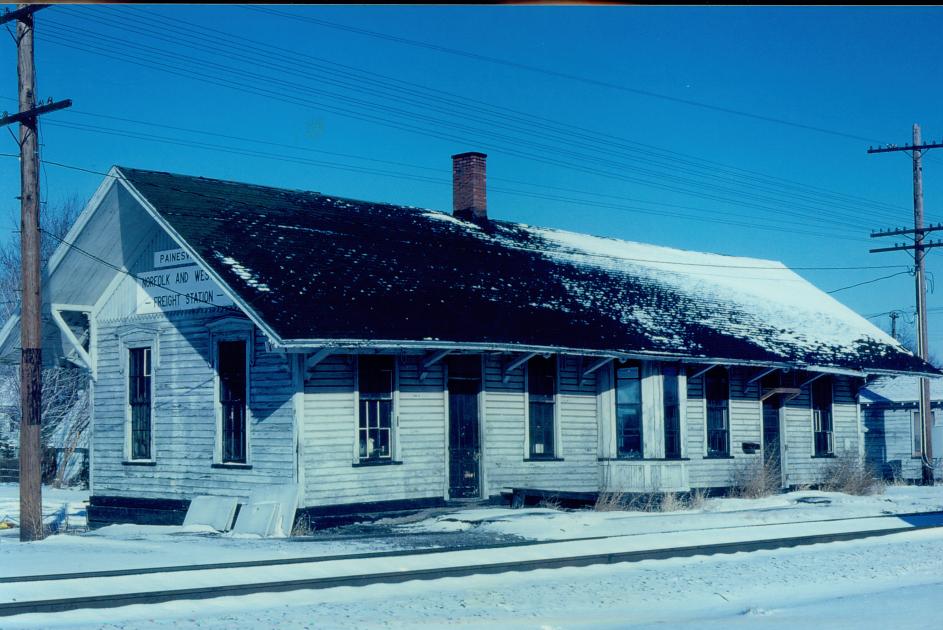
pixel 31 516
pixel 919 248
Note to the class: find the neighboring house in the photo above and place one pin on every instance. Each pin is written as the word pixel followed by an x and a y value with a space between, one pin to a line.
pixel 892 437
pixel 381 356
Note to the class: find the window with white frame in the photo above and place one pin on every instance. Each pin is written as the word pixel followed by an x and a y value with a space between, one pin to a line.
pixel 629 410
pixel 821 396
pixel 717 397
pixel 232 372
pixel 376 381
pixel 541 398
pixel 139 403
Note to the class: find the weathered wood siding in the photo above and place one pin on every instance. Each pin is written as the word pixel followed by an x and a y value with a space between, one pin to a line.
pixel 889 440
pixel 746 426
pixel 183 406
pixel 504 460
pixel 330 437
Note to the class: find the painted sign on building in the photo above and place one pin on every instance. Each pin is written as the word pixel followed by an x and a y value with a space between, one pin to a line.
pixel 176 284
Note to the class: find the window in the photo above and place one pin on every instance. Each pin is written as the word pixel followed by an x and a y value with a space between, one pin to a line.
pixel 541 394
pixel 231 362
pixel 717 394
pixel 629 410
pixel 822 416
pixel 139 400
pixel 672 412
pixel 375 432
pixel 918 432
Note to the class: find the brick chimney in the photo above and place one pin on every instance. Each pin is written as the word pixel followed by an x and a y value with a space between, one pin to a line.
pixel 469 201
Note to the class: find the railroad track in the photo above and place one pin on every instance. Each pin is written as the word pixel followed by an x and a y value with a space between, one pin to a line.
pixel 912 522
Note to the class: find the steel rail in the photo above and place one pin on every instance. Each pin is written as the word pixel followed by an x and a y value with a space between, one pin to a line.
pixel 395 577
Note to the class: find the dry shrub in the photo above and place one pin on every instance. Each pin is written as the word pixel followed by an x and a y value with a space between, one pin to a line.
pixel 610 502
pixel 550 503
pixel 303 526
pixel 649 502
pixel 850 475
pixel 696 498
pixel 756 478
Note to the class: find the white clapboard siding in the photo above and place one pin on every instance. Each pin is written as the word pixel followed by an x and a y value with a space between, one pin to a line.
pixel 889 440
pixel 745 426
pixel 802 467
pixel 330 432
pixel 184 418
pixel 505 417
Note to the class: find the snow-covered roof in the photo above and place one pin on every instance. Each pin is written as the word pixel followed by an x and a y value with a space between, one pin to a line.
pixel 899 389
pixel 316 268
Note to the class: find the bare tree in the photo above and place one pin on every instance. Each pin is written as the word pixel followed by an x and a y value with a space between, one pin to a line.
pixel 65 411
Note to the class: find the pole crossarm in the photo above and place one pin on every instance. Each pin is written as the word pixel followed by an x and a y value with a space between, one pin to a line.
pixel 22 13
pixel 903 246
pixel 900 231
pixel 907 147
pixel 31 114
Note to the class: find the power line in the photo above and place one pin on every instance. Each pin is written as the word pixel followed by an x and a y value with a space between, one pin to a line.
pixel 555 73
pixel 852 286
pixel 580 166
pixel 452 99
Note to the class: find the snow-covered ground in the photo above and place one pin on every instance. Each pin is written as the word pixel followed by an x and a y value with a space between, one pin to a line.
pixel 793 507
pixel 63 508
pixel 139 546
pixel 889 582
pixel 878 582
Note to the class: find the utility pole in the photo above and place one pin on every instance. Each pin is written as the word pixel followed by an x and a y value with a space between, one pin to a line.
pixel 31 513
pixel 919 248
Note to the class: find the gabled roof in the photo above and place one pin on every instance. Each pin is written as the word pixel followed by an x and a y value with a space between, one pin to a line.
pixel 316 269
pixel 898 389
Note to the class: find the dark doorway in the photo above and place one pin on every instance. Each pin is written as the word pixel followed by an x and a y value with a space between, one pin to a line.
pixel 772 445
pixel 464 438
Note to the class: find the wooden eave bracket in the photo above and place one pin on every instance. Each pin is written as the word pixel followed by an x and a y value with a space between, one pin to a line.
pixel 761 375
pixel 514 363
pixel 814 378
pixel 429 360
pixel 312 361
pixel 592 367
pixel 704 371
pixel 790 392
pixel 70 336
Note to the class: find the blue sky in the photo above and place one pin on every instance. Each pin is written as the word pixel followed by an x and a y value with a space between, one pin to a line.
pixel 300 86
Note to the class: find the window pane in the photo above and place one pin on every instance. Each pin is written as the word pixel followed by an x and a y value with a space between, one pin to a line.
pixel 541 389
pixel 376 377
pixel 139 399
pixel 918 434
pixel 541 429
pixel 542 377
pixel 629 411
pixel 231 359
pixel 672 412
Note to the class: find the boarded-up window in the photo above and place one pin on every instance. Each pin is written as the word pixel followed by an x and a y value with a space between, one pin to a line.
pixel 541 391
pixel 918 432
pixel 629 410
pixel 672 412
pixel 139 399
pixel 822 416
pixel 231 360
pixel 717 394
pixel 375 433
